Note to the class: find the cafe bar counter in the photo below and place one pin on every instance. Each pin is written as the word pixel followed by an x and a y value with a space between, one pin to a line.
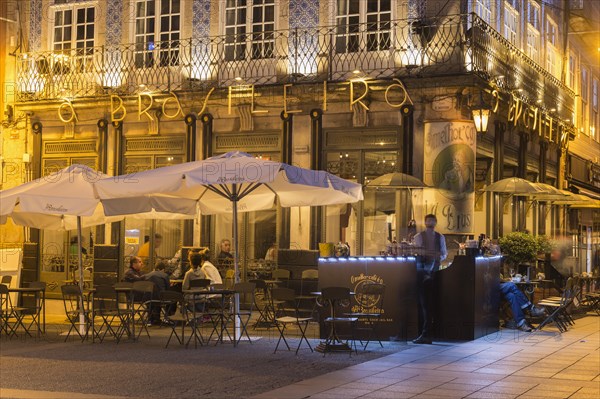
pixel 468 298
pixel 399 275
pixel 468 294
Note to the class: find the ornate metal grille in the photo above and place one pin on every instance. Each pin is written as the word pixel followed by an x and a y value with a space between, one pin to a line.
pixel 414 47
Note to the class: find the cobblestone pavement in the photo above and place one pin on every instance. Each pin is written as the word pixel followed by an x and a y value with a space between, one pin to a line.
pixel 50 368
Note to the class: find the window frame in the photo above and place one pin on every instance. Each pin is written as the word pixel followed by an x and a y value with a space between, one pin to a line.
pixel 509 10
pixel 256 44
pixel 161 52
pixel 73 56
pixel 488 9
pixel 355 37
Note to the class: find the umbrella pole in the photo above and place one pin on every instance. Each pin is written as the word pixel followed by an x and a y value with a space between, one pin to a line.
pixel 236 262
pixel 82 324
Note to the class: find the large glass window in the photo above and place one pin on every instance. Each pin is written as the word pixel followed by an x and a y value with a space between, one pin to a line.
pixel 572 67
pixel 73 36
pixel 367 226
pixel 483 8
pixel 553 59
pixel 256 17
pixel 157 32
pixel 363 25
pixel 511 23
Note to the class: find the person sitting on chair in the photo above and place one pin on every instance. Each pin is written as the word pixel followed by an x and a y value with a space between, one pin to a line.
pixel 195 271
pixel 134 273
pixel 519 304
pixel 161 283
pixel 209 270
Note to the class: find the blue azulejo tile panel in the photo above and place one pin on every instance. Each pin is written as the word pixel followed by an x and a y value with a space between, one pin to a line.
pixel 304 13
pixel 201 18
pixel 114 22
pixel 35 25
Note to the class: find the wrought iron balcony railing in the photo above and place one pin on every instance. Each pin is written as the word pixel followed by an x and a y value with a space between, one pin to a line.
pixel 455 44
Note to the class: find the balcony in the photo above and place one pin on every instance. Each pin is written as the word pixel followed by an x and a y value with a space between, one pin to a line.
pixel 449 45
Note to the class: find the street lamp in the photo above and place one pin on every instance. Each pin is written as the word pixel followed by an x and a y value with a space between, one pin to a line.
pixel 481 115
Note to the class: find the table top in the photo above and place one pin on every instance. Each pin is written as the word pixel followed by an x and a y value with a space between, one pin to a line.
pixel 201 291
pixel 27 289
pixel 318 293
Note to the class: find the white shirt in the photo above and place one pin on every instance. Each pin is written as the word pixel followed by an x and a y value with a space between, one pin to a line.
pixel 211 272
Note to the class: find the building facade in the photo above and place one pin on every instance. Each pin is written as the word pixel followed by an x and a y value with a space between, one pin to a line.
pixel 358 88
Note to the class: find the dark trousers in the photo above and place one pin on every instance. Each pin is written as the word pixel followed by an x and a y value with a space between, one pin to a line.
pixel 426 290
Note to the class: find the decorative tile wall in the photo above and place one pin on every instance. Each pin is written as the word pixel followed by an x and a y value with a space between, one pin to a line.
pixel 35 25
pixel 114 22
pixel 201 18
pixel 304 13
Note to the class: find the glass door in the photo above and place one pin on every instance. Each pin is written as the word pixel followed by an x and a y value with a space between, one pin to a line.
pixel 364 226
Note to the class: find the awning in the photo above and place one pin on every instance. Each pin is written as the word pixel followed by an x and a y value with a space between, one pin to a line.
pixel 589 193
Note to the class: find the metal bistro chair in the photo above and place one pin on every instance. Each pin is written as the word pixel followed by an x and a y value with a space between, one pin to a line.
pixel 31 306
pixel 262 303
pixel 246 293
pixel 72 300
pixel 286 314
pixel 281 274
pixel 370 301
pixel 143 300
pixel 105 307
pixel 183 316
pixel 338 297
pixel 558 311
pixel 6 280
pixel 7 312
pixel 124 299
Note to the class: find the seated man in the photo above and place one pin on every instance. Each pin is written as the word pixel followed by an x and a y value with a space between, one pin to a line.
pixel 518 304
pixel 161 283
pixel 134 273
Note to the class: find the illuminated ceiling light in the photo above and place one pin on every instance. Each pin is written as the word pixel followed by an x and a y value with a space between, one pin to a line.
pixel 539 101
pixel 552 109
pixel 356 71
pixel 238 79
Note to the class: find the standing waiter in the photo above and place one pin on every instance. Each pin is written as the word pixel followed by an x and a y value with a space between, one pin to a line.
pixel 433 251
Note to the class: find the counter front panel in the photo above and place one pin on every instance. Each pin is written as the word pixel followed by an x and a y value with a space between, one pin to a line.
pixel 400 300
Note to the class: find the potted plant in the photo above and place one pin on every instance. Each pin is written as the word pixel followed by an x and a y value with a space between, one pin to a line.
pixel 545 245
pixel 518 248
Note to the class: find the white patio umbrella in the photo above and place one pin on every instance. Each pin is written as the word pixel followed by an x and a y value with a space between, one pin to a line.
pixel 63 200
pixel 231 182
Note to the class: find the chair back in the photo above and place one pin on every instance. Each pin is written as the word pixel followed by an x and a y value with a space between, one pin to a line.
pixel 281 274
pixel 309 281
pixel 200 283
pixel 72 298
pixel 312 274
pixel 104 298
pixel 335 293
pixel 6 280
pixel 283 294
pixel 172 298
pixel 246 293
pixel 5 302
pixel 123 293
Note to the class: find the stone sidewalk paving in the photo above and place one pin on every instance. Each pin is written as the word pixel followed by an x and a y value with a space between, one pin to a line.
pixel 510 364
